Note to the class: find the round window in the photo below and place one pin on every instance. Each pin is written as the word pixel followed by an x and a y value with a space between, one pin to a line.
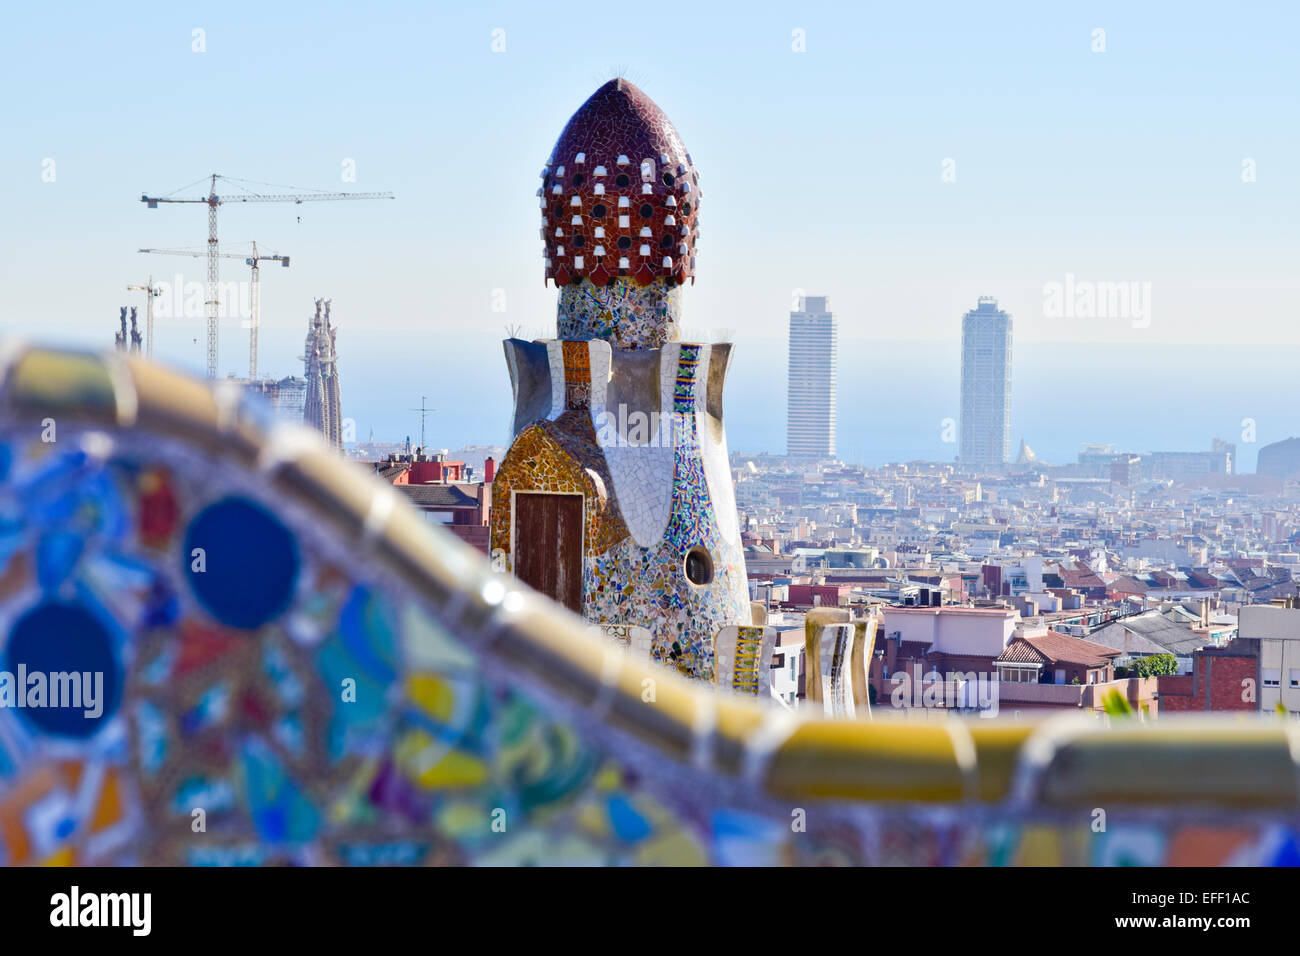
pixel 698 566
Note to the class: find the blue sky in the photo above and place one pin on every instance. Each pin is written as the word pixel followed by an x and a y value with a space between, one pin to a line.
pixel 821 169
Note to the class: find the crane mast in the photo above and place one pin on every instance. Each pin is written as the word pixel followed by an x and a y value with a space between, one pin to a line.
pixel 151 292
pixel 254 305
pixel 211 304
pixel 254 298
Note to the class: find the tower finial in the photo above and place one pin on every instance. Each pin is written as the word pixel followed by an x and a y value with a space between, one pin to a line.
pixel 620 195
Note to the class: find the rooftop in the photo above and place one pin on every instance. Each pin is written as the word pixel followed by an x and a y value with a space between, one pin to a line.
pixel 1053 648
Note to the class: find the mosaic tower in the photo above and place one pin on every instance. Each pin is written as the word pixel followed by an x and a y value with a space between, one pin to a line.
pixel 615 497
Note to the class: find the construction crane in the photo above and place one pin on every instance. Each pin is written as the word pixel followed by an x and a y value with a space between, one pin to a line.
pixel 214 201
pixel 254 291
pixel 151 292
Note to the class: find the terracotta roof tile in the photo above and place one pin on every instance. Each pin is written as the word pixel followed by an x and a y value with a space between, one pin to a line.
pixel 1053 648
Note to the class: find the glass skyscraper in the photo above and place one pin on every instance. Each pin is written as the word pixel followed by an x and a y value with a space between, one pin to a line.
pixel 985 385
pixel 814 355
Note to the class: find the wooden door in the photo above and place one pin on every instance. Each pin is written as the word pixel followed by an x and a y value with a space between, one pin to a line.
pixel 548 546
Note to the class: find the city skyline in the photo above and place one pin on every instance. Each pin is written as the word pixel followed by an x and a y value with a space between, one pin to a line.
pixel 924 375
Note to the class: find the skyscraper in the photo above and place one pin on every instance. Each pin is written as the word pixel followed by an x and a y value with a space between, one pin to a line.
pixel 814 353
pixel 985 385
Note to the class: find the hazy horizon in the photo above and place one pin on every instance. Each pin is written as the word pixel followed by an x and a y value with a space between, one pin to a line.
pixel 893 395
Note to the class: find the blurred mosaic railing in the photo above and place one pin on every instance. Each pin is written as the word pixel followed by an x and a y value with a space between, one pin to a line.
pixel 301 669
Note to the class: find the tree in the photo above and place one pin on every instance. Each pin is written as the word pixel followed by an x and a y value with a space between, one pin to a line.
pixel 1155 665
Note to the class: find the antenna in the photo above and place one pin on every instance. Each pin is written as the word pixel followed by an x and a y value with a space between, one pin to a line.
pixel 424 413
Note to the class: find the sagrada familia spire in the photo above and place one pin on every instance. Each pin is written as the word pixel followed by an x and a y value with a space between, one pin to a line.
pixel 128 341
pixel 322 408
pixel 615 497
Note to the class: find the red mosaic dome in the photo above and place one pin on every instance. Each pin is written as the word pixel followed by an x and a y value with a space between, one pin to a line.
pixel 619 195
